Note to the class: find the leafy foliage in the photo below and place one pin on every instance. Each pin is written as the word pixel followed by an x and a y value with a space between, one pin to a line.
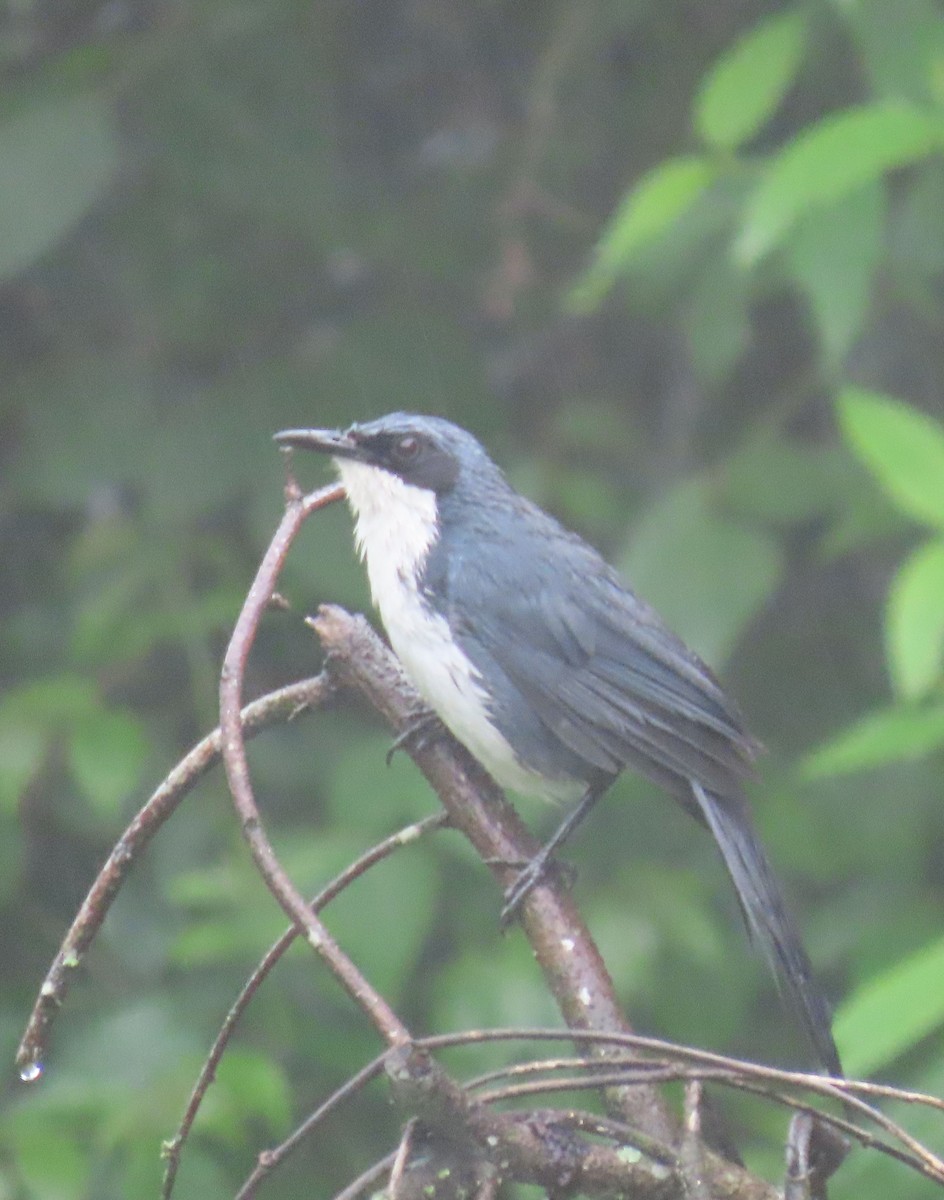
pixel 681 270
pixel 744 88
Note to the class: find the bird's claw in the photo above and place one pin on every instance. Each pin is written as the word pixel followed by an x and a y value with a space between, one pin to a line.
pixel 530 876
pixel 421 732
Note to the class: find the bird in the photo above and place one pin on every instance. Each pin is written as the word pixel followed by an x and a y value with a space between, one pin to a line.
pixel 556 676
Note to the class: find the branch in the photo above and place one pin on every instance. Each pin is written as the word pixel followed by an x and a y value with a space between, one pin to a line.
pixel 527 1149
pixel 298 508
pixel 403 837
pixel 277 706
pixel 463 1134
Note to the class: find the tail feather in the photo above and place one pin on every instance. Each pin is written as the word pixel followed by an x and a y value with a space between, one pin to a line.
pixel 768 920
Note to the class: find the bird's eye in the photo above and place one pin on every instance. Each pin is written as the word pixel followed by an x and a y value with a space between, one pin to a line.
pixel 407 448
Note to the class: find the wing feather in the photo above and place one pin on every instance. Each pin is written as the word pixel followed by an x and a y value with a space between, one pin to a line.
pixel 600 670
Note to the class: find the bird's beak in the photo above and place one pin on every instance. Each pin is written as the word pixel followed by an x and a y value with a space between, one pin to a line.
pixel 326 441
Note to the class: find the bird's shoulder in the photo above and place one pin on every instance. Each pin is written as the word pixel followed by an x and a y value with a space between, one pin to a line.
pixel 548 608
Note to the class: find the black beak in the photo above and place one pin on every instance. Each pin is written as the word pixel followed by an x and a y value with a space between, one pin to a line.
pixel 327 441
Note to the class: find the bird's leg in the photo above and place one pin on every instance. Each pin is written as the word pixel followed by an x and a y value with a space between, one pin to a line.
pixel 815 1151
pixel 423 729
pixel 532 874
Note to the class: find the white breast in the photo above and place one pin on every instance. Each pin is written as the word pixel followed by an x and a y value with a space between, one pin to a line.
pixel 396 525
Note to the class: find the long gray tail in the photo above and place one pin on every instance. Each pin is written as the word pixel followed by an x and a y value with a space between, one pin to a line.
pixel 768 921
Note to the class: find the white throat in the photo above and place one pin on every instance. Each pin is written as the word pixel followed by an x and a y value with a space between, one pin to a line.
pixel 396 526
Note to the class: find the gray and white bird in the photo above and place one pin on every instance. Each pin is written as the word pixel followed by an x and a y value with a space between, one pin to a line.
pixel 545 665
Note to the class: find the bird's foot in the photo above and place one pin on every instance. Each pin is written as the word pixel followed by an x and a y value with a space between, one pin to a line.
pixel 814 1153
pixel 421 732
pixel 530 875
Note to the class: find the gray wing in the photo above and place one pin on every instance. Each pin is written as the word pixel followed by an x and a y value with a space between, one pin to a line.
pixel 596 665
pixel 602 673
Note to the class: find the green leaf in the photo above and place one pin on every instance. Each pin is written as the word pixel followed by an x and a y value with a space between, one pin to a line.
pixel 903 447
pixel 833 255
pixel 705 575
pixel 915 621
pixel 55 162
pixel 107 751
pixel 903 67
pixel 656 202
pixel 890 736
pixel 828 161
pixel 891 1013
pixel 746 85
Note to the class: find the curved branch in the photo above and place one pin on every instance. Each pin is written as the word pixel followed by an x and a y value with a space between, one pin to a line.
pixel 277 706
pixel 383 849
pixel 298 508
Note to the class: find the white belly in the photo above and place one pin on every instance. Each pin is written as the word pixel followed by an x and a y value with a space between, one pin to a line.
pixel 396 527
pixel 450 684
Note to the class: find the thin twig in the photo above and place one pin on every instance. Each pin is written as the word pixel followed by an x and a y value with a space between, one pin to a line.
pixel 923 1162
pixel 400 1163
pixel 368 1178
pixel 403 837
pixel 692 1150
pixel 706 1066
pixel 736 1072
pixel 260 714
pixel 853 1086
pixel 297 509
pixel 268 1160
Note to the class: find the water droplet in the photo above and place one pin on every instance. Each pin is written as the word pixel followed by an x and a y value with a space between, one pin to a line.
pixel 31 1072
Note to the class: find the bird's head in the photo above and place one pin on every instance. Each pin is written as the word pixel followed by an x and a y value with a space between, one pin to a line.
pixel 398 470
pixel 424 452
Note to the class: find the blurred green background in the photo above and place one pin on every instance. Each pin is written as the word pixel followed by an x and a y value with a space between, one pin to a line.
pixel 681 266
